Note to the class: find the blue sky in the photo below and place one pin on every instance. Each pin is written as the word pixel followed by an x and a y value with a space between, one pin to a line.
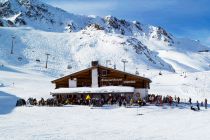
pixel 182 18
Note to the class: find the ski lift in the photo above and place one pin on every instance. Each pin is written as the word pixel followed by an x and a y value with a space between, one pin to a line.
pixel 61 75
pixel 20 58
pixel 69 67
pixel 137 73
pixel 38 60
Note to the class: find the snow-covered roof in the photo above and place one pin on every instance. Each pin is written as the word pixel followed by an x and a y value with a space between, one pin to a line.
pixel 107 89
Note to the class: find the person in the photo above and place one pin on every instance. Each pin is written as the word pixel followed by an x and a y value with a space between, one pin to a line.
pixel 131 101
pixel 34 101
pixel 124 102
pixel 88 99
pixel 193 108
pixel 150 99
pixel 20 102
pixel 120 102
pixel 198 106
pixel 206 104
pixel 170 100
pixel 41 102
pixel 190 101
pixel 67 102
pixel 202 104
pixel 140 101
pixel 178 100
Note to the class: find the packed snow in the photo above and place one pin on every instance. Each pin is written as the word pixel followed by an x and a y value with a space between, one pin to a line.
pixel 113 123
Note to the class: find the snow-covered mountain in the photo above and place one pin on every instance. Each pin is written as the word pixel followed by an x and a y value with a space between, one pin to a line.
pixel 74 40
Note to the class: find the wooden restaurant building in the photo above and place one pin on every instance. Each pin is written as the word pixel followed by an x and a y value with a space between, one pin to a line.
pixel 98 81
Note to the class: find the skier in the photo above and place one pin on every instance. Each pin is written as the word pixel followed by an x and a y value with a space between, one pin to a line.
pixel 198 105
pixel 206 104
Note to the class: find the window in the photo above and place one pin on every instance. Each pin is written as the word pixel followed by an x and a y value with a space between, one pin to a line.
pixel 104 72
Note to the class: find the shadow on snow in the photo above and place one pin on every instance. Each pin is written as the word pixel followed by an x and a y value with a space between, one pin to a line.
pixel 7 103
pixel 4 68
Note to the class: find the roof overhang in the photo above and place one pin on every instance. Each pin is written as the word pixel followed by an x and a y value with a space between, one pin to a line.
pixel 99 66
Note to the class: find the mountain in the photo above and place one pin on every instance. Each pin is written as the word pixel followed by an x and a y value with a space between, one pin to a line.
pixel 74 40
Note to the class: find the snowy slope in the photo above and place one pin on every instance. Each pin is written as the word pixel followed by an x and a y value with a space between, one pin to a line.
pixel 76 49
pixel 181 54
pixel 195 85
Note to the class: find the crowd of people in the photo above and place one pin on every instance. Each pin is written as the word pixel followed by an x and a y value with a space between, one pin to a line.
pixel 34 102
pixel 83 100
pixel 158 100
pixel 120 100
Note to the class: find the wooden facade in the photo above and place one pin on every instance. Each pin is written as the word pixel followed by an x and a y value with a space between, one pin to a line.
pixel 106 77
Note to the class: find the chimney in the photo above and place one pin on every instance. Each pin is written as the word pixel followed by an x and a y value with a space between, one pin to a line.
pixel 94 73
pixel 94 77
pixel 94 63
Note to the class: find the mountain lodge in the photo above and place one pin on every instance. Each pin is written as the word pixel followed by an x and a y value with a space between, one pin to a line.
pixel 98 81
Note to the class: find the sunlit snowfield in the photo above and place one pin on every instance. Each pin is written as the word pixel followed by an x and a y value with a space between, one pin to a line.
pixel 109 123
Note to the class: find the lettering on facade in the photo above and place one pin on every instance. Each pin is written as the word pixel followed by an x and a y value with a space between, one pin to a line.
pixel 116 80
pixel 110 80
pixel 129 82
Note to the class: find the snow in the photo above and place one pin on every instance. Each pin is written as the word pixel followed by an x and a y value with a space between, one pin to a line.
pixel 113 123
pixel 195 85
pixel 107 89
pixel 70 41
pixel 25 83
